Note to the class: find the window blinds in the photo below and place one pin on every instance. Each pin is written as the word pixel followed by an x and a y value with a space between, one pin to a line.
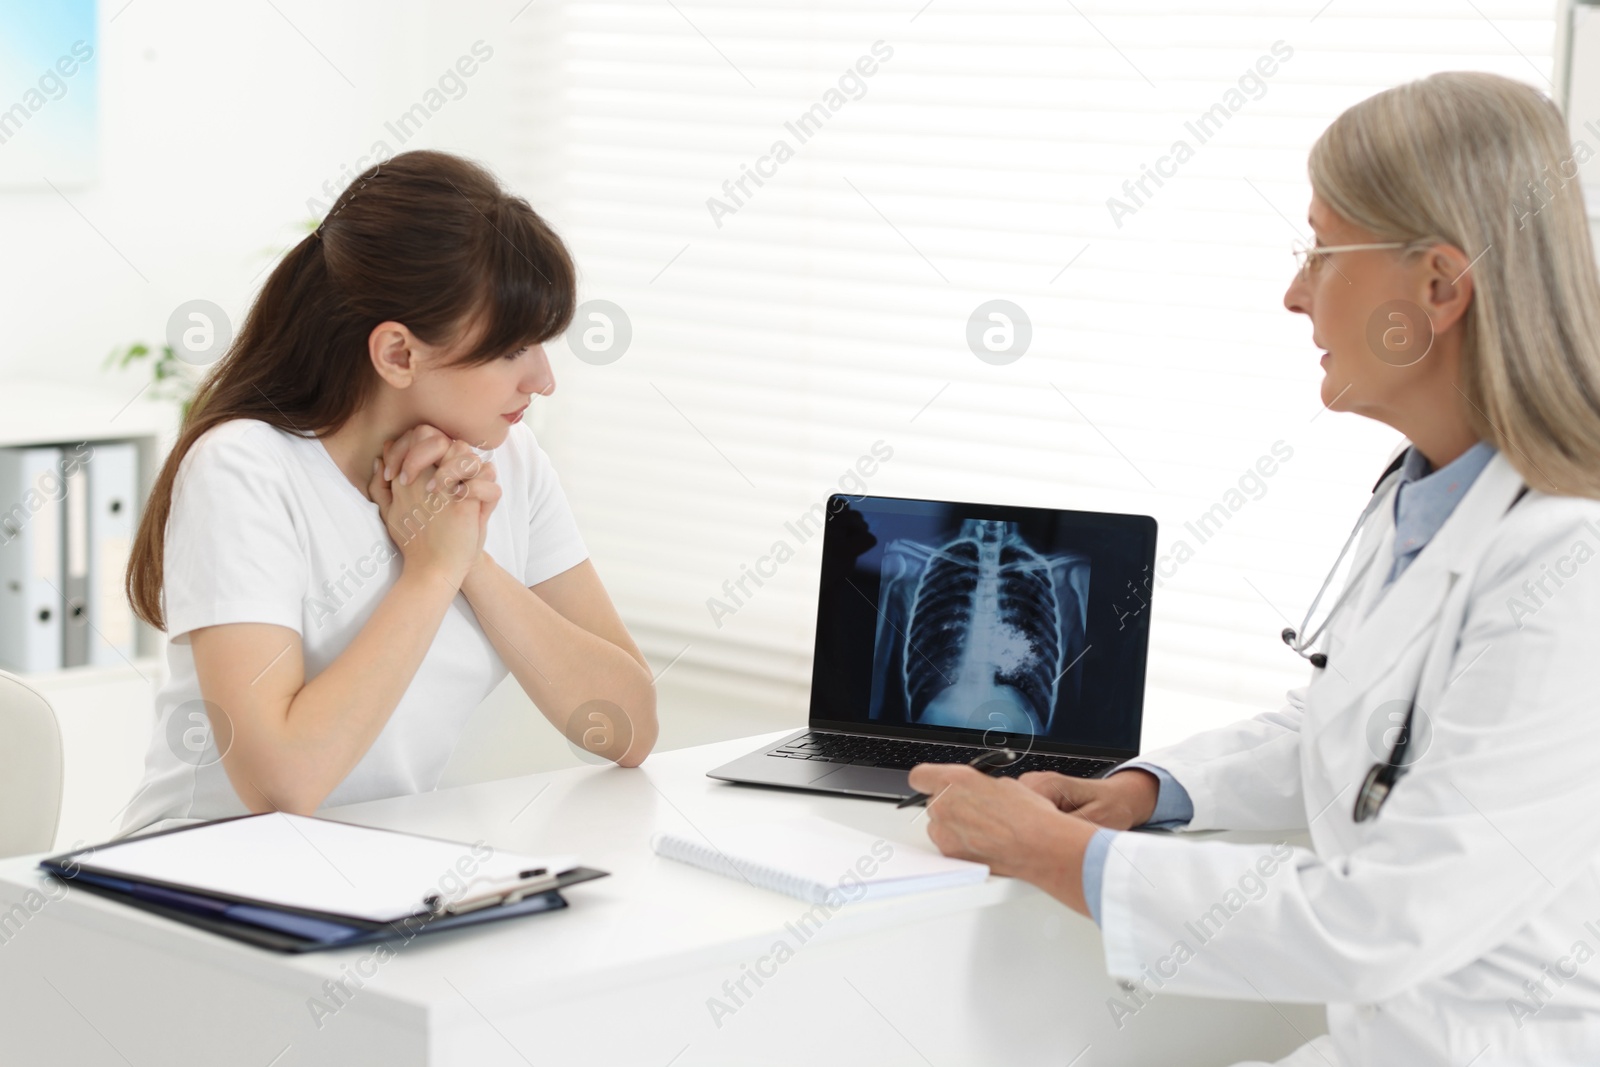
pixel 1019 253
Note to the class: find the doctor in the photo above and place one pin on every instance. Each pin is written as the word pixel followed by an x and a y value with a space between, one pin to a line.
pixel 1448 911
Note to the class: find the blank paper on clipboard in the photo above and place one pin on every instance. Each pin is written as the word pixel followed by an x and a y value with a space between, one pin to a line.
pixel 314 864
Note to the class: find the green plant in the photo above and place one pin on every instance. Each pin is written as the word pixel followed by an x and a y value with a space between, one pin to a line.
pixel 168 379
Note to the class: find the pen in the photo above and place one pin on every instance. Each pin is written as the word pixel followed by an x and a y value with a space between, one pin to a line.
pixel 989 762
pixel 523 884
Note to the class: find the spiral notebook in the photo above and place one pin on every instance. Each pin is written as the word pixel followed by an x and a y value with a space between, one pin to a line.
pixel 818 860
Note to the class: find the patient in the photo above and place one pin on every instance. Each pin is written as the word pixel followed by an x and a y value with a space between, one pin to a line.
pixel 355 536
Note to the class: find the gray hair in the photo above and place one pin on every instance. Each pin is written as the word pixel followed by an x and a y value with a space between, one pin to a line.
pixel 1483 163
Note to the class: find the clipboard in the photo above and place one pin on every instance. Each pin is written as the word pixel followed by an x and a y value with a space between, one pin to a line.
pixel 286 928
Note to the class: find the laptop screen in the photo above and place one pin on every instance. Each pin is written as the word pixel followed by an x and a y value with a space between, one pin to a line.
pixel 984 624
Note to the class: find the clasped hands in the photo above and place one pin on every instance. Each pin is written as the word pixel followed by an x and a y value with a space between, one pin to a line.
pixel 435 496
pixel 1034 827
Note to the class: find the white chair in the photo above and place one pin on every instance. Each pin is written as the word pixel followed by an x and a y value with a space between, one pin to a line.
pixel 30 769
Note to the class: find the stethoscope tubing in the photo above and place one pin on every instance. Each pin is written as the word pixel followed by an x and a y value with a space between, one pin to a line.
pixel 1291 636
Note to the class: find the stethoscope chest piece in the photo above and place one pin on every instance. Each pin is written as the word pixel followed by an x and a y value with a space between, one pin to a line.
pixel 1375 790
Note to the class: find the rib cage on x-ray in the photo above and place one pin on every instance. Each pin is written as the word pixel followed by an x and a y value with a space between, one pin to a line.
pixel 978 631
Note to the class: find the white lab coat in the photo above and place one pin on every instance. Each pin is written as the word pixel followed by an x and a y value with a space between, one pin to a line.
pixel 1482 871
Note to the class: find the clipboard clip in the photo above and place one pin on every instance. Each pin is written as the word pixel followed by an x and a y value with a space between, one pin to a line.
pixel 499 891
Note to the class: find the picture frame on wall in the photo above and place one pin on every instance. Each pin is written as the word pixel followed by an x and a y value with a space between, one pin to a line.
pixel 49 110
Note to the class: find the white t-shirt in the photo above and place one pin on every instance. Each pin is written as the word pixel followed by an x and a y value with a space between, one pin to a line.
pixel 265 527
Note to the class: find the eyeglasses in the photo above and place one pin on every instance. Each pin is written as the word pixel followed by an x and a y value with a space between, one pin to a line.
pixel 1309 257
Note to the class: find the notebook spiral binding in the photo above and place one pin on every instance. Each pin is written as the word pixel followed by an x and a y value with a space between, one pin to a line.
pixel 709 857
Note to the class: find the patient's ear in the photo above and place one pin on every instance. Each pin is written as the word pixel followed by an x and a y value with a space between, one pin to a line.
pixel 393 350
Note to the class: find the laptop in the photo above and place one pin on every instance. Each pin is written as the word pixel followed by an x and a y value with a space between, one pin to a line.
pixel 945 629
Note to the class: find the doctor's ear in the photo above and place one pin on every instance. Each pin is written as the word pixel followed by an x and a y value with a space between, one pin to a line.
pixel 1448 277
pixel 393 350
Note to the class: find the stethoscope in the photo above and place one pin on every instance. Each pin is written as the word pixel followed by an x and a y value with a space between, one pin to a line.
pixel 1381 777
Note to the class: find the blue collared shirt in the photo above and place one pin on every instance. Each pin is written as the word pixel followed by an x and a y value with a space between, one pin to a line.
pixel 1423 501
pixel 1426 497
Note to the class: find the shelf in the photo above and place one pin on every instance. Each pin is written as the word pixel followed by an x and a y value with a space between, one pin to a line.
pixel 35 411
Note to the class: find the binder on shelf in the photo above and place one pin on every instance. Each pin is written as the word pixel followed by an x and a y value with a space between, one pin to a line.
pixel 75 567
pixel 113 470
pixel 299 884
pixel 32 495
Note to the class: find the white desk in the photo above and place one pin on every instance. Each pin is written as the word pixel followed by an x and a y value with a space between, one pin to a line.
pixel 992 974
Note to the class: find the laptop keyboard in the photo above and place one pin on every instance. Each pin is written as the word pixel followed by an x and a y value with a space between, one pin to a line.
pixel 902 755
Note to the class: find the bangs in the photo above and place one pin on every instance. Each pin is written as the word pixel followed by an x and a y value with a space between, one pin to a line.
pixel 526 284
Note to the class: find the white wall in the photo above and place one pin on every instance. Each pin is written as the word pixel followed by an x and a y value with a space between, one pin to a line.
pixel 218 122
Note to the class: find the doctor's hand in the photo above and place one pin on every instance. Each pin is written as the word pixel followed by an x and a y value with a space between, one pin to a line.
pixel 1003 823
pixel 1118 802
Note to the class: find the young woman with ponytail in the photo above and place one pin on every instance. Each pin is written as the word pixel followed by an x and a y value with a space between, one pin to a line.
pixel 355 537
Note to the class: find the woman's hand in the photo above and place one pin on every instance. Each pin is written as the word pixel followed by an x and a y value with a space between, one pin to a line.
pixel 407 458
pixel 1124 800
pixel 438 503
pixel 1002 823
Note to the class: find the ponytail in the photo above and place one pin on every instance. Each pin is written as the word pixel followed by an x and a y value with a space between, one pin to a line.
pixel 426 238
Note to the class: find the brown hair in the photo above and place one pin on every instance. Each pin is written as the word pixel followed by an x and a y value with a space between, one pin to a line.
pixel 1484 163
pixel 427 239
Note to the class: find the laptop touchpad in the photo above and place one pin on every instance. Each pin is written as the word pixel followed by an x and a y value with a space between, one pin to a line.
pixel 882 781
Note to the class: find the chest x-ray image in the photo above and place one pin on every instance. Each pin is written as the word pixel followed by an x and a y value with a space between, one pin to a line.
pixel 979 632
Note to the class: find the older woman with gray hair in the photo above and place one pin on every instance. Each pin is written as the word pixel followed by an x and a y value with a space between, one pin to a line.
pixel 1444 755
